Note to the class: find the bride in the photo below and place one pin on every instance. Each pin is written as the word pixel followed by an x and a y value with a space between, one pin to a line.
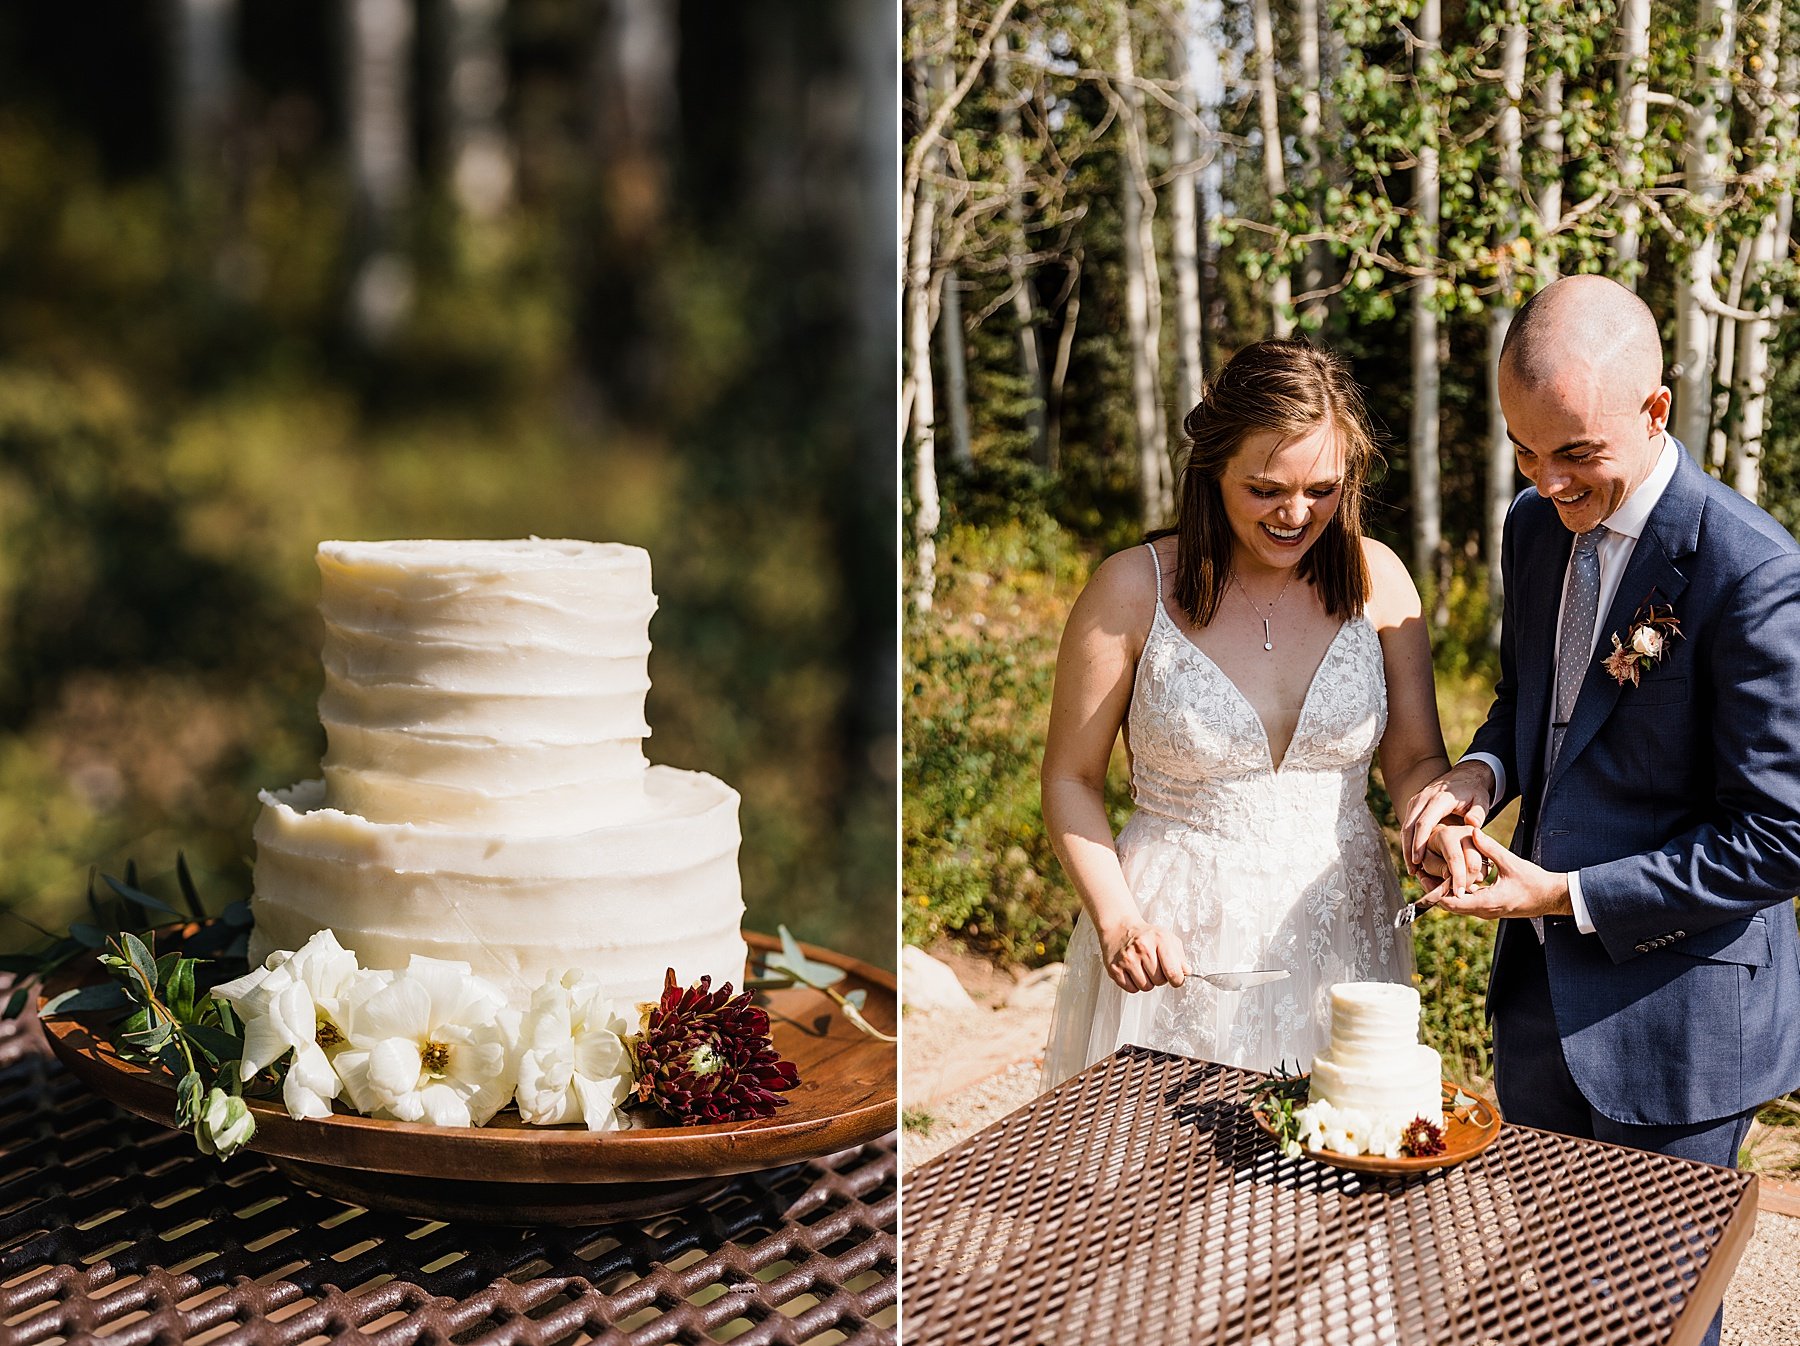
pixel 1257 656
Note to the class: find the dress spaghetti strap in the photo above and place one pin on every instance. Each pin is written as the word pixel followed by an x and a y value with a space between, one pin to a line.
pixel 1155 569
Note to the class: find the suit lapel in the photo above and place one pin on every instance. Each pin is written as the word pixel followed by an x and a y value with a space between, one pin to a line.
pixel 1651 576
pixel 1541 584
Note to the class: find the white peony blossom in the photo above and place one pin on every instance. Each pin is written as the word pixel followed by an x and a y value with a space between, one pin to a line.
pixel 1647 640
pixel 299 1002
pixel 436 1044
pixel 574 1065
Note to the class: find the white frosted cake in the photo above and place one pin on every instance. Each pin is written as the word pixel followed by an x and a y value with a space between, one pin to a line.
pixel 485 794
pixel 1375 1077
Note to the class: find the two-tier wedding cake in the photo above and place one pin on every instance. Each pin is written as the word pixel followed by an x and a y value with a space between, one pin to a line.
pixel 485 796
pixel 1375 1077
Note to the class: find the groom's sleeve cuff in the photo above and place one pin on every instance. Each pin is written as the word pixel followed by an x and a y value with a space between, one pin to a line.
pixel 1583 922
pixel 1493 764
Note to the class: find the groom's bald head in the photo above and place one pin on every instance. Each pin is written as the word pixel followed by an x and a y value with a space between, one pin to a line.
pixel 1582 325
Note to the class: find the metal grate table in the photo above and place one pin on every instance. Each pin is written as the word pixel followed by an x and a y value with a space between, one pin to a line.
pixel 112 1225
pixel 1140 1202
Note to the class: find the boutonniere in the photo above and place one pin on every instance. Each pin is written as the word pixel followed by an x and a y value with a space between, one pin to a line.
pixel 1645 644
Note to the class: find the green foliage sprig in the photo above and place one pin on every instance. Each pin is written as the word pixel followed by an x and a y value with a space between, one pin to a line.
pixel 1277 1100
pixel 792 967
pixel 164 1019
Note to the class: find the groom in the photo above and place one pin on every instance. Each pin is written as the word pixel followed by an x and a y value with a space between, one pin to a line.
pixel 1646 978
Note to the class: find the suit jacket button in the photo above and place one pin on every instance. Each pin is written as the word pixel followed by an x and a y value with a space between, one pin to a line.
pixel 1643 948
pixel 1679 934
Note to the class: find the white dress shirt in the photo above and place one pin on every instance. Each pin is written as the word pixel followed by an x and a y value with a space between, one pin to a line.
pixel 1623 528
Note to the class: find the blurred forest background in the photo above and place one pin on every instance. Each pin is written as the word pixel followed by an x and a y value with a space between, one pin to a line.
pixel 1102 201
pixel 282 271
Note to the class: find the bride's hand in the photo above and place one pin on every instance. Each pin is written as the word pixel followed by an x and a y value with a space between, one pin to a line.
pixel 1141 956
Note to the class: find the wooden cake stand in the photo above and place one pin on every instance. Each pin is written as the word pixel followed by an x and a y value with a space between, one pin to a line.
pixel 508 1172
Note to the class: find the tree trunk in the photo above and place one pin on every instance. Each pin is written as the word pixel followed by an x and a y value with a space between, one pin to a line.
pixel 924 405
pixel 378 63
pixel 200 96
pixel 1743 466
pixel 1705 152
pixel 473 94
pixel 1634 105
pixel 1031 358
pixel 1313 268
pixel 1184 222
pixel 632 110
pixel 1510 135
pixel 1280 289
pixel 1059 371
pixel 1550 144
pixel 1426 501
pixel 1143 299
pixel 954 357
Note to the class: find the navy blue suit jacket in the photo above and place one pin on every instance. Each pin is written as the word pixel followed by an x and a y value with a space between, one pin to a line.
pixel 1677 799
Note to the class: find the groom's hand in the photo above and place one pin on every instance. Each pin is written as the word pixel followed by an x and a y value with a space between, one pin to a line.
pixel 1519 888
pixel 1141 956
pixel 1464 791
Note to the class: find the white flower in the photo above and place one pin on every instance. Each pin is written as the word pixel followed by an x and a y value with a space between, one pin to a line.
pixel 225 1124
pixel 433 1045
pixel 299 1002
pixel 573 1064
pixel 1647 641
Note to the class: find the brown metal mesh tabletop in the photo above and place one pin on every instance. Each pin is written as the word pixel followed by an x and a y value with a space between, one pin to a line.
pixel 1139 1202
pixel 112 1226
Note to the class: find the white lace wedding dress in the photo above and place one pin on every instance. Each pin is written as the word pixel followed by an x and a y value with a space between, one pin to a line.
pixel 1253 864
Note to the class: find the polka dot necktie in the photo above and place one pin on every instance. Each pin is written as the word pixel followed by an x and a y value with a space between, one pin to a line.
pixel 1574 652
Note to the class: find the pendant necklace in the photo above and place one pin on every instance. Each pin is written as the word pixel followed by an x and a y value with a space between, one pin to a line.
pixel 1268 635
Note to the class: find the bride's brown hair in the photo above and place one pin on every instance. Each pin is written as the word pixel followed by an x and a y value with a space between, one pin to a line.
pixel 1287 387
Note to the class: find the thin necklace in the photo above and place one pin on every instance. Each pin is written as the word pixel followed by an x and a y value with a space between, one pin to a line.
pixel 1268 636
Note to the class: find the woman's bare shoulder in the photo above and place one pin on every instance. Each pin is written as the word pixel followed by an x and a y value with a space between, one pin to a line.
pixel 1393 597
pixel 1120 592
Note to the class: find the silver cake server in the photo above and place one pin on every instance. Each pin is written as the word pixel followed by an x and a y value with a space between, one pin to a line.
pixel 1242 981
pixel 1410 913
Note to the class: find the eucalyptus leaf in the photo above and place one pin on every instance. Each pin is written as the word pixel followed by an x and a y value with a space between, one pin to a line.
pixel 150 1039
pixel 143 962
pixel 857 998
pixel 220 1047
pixel 189 893
pixel 792 960
pixel 132 893
pixel 137 1023
pixel 15 1003
pixel 178 988
pixel 190 1094
pixel 90 936
pixel 86 999
pixel 21 964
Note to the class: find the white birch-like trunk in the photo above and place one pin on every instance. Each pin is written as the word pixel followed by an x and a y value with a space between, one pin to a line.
pixel 472 97
pixel 1775 81
pixel 1704 156
pixel 1510 134
pixel 952 354
pixel 1184 215
pixel 926 514
pixel 1143 297
pixel 1313 268
pixel 200 95
pixel 1549 189
pixel 1634 109
pixel 378 64
pixel 1025 318
pixel 1425 468
pixel 1280 290
pixel 633 109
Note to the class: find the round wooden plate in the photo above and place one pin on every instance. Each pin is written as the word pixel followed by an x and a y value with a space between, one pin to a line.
pixel 1465 1136
pixel 510 1172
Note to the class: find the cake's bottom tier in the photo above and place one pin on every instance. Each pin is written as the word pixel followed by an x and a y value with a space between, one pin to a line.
pixel 1405 1083
pixel 622 903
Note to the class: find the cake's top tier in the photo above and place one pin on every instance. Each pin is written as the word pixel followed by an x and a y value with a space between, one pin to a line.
pixel 1369 1018
pixel 486 684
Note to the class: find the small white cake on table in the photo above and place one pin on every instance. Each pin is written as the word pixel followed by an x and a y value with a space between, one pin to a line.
pixel 485 795
pixel 1376 1077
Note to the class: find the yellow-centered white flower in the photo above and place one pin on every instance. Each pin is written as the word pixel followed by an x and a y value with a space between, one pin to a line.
pixel 574 1065
pixel 299 1002
pixel 433 1045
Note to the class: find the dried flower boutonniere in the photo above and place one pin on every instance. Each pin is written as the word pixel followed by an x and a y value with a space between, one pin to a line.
pixel 1651 632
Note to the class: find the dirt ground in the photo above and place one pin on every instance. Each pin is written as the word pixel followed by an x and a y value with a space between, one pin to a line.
pixel 963 1070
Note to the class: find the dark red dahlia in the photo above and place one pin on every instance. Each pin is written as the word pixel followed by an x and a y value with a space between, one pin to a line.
pixel 1421 1139
pixel 705 1056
